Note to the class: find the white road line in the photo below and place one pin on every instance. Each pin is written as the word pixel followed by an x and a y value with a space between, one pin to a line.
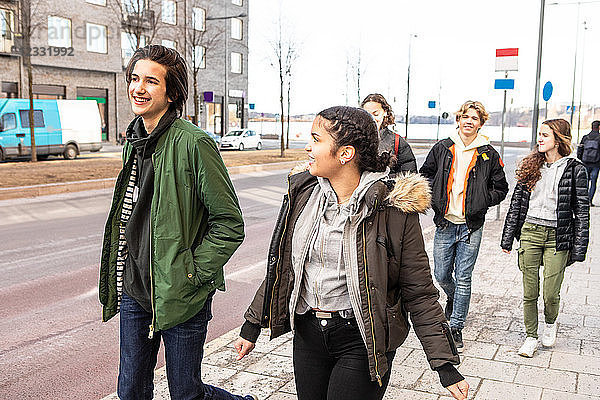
pixel 251 196
pixel 245 270
pixel 40 258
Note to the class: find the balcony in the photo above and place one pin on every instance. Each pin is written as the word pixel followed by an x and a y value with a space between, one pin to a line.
pixel 144 19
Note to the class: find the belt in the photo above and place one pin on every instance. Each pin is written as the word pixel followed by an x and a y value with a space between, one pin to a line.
pixel 325 314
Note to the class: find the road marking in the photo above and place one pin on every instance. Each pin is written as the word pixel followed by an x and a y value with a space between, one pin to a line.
pixel 50 244
pixel 250 195
pixel 41 257
pixel 245 270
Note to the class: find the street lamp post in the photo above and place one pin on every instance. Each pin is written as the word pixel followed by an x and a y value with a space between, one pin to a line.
pixel 579 3
pixel 575 65
pixel 225 110
pixel 408 84
pixel 536 101
pixel 581 80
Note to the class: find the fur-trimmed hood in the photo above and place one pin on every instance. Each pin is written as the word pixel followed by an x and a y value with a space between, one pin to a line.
pixel 408 192
pixel 411 193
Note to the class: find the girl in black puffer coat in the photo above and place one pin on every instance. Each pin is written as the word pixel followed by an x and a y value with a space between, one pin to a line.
pixel 549 214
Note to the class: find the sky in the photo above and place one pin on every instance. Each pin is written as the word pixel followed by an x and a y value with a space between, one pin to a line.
pixel 454 48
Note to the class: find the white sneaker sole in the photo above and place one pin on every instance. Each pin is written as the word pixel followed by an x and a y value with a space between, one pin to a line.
pixel 549 345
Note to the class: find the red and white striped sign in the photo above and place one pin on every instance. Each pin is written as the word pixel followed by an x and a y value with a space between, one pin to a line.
pixel 507 59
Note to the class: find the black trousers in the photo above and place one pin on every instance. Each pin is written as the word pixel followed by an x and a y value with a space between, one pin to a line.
pixel 330 361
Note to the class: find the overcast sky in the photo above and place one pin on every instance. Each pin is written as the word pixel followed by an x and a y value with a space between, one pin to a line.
pixel 455 46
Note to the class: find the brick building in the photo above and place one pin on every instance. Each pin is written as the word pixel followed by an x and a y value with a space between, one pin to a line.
pixel 80 48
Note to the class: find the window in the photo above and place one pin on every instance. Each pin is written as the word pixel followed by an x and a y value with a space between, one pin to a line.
pixel 9 90
pixel 169 12
pixel 236 28
pixel 59 31
pixel 8 121
pixel 7 25
pixel 169 43
pixel 199 18
pixel 98 2
pixel 199 57
pixel 236 63
pixel 96 38
pixel 237 2
pixel 38 118
pixel 128 45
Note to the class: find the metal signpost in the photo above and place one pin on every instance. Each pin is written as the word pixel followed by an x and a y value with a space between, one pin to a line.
pixel 506 60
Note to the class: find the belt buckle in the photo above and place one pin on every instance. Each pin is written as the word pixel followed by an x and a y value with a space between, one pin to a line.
pixel 323 314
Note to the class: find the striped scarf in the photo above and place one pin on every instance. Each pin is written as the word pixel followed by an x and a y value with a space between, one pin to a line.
pixel 128 203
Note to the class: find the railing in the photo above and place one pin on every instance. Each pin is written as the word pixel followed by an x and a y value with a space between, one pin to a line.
pixel 144 18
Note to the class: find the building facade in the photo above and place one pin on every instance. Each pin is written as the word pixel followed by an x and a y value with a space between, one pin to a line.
pixel 79 50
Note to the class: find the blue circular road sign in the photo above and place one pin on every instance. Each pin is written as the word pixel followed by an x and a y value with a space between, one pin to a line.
pixel 547 93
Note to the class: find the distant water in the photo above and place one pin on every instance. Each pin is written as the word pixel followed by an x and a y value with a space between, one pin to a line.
pixel 301 131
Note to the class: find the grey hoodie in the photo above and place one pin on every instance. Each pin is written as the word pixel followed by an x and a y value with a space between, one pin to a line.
pixel 544 197
pixel 324 245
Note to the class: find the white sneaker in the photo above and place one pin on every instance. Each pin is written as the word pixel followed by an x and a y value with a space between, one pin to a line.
pixel 549 335
pixel 529 347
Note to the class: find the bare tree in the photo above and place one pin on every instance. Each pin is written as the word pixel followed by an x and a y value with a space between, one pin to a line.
pixel 24 29
pixel 286 52
pixel 199 42
pixel 291 57
pixel 355 69
pixel 140 19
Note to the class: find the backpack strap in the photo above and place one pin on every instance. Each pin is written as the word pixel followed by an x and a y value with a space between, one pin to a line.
pixel 396 143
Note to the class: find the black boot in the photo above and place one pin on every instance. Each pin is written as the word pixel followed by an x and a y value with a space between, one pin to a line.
pixel 458 341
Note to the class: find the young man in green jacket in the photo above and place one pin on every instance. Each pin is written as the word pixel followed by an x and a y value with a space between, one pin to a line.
pixel 174 222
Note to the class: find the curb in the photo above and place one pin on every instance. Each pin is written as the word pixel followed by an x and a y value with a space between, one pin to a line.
pixel 108 183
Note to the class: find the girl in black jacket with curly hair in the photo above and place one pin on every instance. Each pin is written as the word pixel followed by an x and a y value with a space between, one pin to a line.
pixel 549 214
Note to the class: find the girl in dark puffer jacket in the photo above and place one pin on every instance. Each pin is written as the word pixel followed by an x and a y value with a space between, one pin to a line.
pixel 549 214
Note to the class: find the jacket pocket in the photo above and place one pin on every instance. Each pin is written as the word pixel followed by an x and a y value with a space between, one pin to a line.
pixel 397 326
pixel 520 260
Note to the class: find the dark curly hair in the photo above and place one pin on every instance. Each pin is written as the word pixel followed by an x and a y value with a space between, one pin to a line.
pixel 389 118
pixel 176 79
pixel 351 126
pixel 528 173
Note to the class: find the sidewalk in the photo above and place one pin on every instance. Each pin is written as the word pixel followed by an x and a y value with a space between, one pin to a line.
pixel 493 334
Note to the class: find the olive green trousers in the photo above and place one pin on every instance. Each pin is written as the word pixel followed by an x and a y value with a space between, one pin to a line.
pixel 537 248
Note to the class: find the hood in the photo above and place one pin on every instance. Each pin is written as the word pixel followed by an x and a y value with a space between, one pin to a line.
pixel 480 140
pixel 411 193
pixel 140 140
pixel 367 179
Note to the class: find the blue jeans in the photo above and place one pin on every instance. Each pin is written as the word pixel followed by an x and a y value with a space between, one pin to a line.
pixel 592 179
pixel 184 347
pixel 455 251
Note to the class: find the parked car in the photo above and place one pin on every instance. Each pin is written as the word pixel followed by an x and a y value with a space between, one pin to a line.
pixel 241 139
pixel 214 136
pixel 62 127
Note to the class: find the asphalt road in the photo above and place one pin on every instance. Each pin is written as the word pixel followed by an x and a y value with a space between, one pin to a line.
pixel 52 343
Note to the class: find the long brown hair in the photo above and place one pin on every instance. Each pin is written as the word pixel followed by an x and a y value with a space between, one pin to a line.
pixel 389 118
pixel 528 173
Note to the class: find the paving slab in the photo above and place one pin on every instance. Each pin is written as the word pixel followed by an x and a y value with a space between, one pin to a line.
pixel 493 333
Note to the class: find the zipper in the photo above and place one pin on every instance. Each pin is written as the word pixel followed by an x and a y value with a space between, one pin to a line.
pixel 370 307
pixel 153 324
pixel 279 255
pixel 448 334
